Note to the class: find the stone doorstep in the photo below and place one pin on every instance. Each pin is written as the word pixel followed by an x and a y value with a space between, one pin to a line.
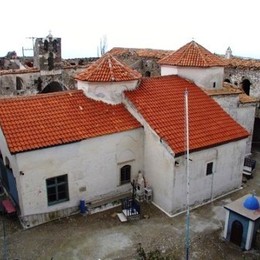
pixel 122 217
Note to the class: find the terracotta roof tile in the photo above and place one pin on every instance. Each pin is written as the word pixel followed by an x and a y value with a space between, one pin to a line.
pixel 241 62
pixel 46 120
pixel 143 53
pixel 160 100
pixel 244 98
pixel 192 55
pixel 229 89
pixel 108 69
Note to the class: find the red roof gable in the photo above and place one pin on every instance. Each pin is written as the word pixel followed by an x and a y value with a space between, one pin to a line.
pixel 192 55
pixel 108 69
pixel 46 120
pixel 160 100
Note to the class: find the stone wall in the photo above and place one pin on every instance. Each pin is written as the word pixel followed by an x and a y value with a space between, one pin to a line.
pixel 17 82
pixel 237 76
pixel 148 67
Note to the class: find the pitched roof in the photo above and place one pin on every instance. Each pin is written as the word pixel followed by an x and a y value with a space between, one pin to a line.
pixel 241 62
pixel 192 55
pixel 160 100
pixel 46 120
pixel 229 89
pixel 108 69
pixel 143 53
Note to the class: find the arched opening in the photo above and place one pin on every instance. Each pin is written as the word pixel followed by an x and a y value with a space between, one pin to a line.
pixel 246 86
pixel 46 45
pixel 147 74
pixel 54 86
pixel 19 83
pixel 227 80
pixel 236 233
pixel 55 45
pixel 51 61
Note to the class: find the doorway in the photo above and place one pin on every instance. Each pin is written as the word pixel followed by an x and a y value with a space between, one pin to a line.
pixel 236 233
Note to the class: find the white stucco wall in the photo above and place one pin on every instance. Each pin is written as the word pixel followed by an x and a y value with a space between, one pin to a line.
pixel 92 165
pixel 109 92
pixel 244 114
pixel 203 77
pixel 168 70
pixel 158 170
pixel 227 174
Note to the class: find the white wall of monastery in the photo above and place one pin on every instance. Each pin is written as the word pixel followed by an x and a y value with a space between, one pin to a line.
pixel 227 174
pixel 93 169
pixel 158 170
pixel 108 92
pixel 203 77
pixel 244 114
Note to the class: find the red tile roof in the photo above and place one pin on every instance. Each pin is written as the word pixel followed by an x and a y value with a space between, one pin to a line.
pixel 241 63
pixel 160 100
pixel 108 69
pixel 46 120
pixel 143 53
pixel 229 89
pixel 192 55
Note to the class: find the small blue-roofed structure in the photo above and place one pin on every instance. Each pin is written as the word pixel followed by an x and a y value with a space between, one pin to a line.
pixel 243 221
pixel 251 203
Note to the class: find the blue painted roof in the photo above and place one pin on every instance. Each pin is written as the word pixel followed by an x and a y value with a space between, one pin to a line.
pixel 251 203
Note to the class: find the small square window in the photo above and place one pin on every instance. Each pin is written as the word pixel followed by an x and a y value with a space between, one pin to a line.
pixel 209 168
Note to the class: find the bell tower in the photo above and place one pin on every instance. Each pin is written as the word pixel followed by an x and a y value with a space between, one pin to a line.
pixel 47 53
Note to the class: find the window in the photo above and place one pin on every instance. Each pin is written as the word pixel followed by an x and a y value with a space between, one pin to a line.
pixel 19 83
pixel 214 84
pixel 209 168
pixel 57 189
pixel 125 174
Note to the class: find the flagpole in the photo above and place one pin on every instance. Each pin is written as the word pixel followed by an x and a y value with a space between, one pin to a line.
pixel 187 242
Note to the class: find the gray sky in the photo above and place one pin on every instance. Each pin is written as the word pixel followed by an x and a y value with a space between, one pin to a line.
pixel 164 24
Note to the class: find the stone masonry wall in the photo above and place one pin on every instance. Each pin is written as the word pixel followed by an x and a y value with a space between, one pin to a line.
pixel 237 75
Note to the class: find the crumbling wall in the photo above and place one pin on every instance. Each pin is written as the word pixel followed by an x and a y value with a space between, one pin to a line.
pixel 237 75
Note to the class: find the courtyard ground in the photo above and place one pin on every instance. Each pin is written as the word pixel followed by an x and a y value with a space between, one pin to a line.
pixel 103 236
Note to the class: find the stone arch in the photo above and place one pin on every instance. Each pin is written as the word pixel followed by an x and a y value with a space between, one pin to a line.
pixel 227 80
pixel 246 86
pixel 53 86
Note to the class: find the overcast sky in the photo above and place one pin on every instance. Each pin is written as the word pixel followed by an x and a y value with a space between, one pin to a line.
pixel 164 24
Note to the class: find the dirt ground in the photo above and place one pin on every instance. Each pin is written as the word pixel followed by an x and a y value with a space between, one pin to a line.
pixel 103 236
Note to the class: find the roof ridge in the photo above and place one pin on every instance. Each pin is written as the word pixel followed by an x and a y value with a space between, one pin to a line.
pixel 41 95
pixel 108 69
pixel 111 67
pixel 203 56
